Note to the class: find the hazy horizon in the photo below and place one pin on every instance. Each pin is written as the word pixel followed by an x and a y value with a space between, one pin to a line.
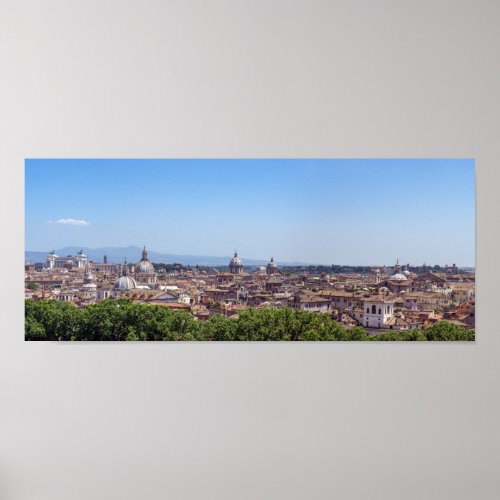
pixel 346 212
pixel 250 258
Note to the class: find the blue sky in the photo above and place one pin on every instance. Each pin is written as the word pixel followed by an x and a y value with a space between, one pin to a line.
pixel 319 211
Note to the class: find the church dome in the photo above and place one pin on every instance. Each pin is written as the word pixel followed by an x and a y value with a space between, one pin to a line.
pixel 235 265
pixel 406 273
pixel 235 261
pixel 125 283
pixel 272 267
pixel 272 263
pixel 144 265
pixel 398 277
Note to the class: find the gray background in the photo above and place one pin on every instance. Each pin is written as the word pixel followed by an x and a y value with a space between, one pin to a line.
pixel 249 79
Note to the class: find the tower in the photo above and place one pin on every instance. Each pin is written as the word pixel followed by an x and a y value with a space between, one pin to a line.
pixel 397 268
pixel 88 277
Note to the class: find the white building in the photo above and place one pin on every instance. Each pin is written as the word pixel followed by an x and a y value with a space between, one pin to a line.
pixel 79 260
pixel 103 292
pixel 377 311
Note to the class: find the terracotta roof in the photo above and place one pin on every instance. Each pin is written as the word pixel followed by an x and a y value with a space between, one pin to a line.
pixel 396 321
pixel 306 298
pixel 378 298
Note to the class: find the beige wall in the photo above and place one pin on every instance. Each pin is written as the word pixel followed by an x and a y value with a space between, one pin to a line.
pixel 263 78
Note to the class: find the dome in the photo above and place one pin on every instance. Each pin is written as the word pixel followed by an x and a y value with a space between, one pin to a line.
pixel 236 261
pixel 272 263
pixel 398 277
pixel 125 283
pixel 235 265
pixel 89 286
pixel 272 267
pixel 406 273
pixel 144 265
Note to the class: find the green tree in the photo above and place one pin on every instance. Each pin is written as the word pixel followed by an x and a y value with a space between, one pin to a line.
pixel 444 330
pixel 120 320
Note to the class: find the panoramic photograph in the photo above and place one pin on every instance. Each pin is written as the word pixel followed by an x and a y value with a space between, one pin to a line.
pixel 249 250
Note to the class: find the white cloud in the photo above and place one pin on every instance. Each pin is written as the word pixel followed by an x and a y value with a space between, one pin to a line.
pixel 74 222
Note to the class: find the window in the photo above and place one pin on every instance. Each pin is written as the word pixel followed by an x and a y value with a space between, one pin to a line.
pixel 374 309
pixel 380 311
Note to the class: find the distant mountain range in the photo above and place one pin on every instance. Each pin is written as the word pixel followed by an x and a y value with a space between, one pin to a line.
pixel 133 254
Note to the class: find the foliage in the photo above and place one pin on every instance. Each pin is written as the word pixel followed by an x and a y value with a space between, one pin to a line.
pixel 123 320
pixel 443 330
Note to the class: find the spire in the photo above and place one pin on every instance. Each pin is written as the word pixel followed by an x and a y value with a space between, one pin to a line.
pixel 144 253
pixel 125 268
pixel 397 267
pixel 88 277
pixel 236 253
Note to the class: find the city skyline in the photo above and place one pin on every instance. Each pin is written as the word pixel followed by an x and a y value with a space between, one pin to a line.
pixel 347 212
pixel 131 253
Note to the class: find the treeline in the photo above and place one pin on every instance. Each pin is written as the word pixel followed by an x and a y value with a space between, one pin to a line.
pixel 289 270
pixel 123 320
